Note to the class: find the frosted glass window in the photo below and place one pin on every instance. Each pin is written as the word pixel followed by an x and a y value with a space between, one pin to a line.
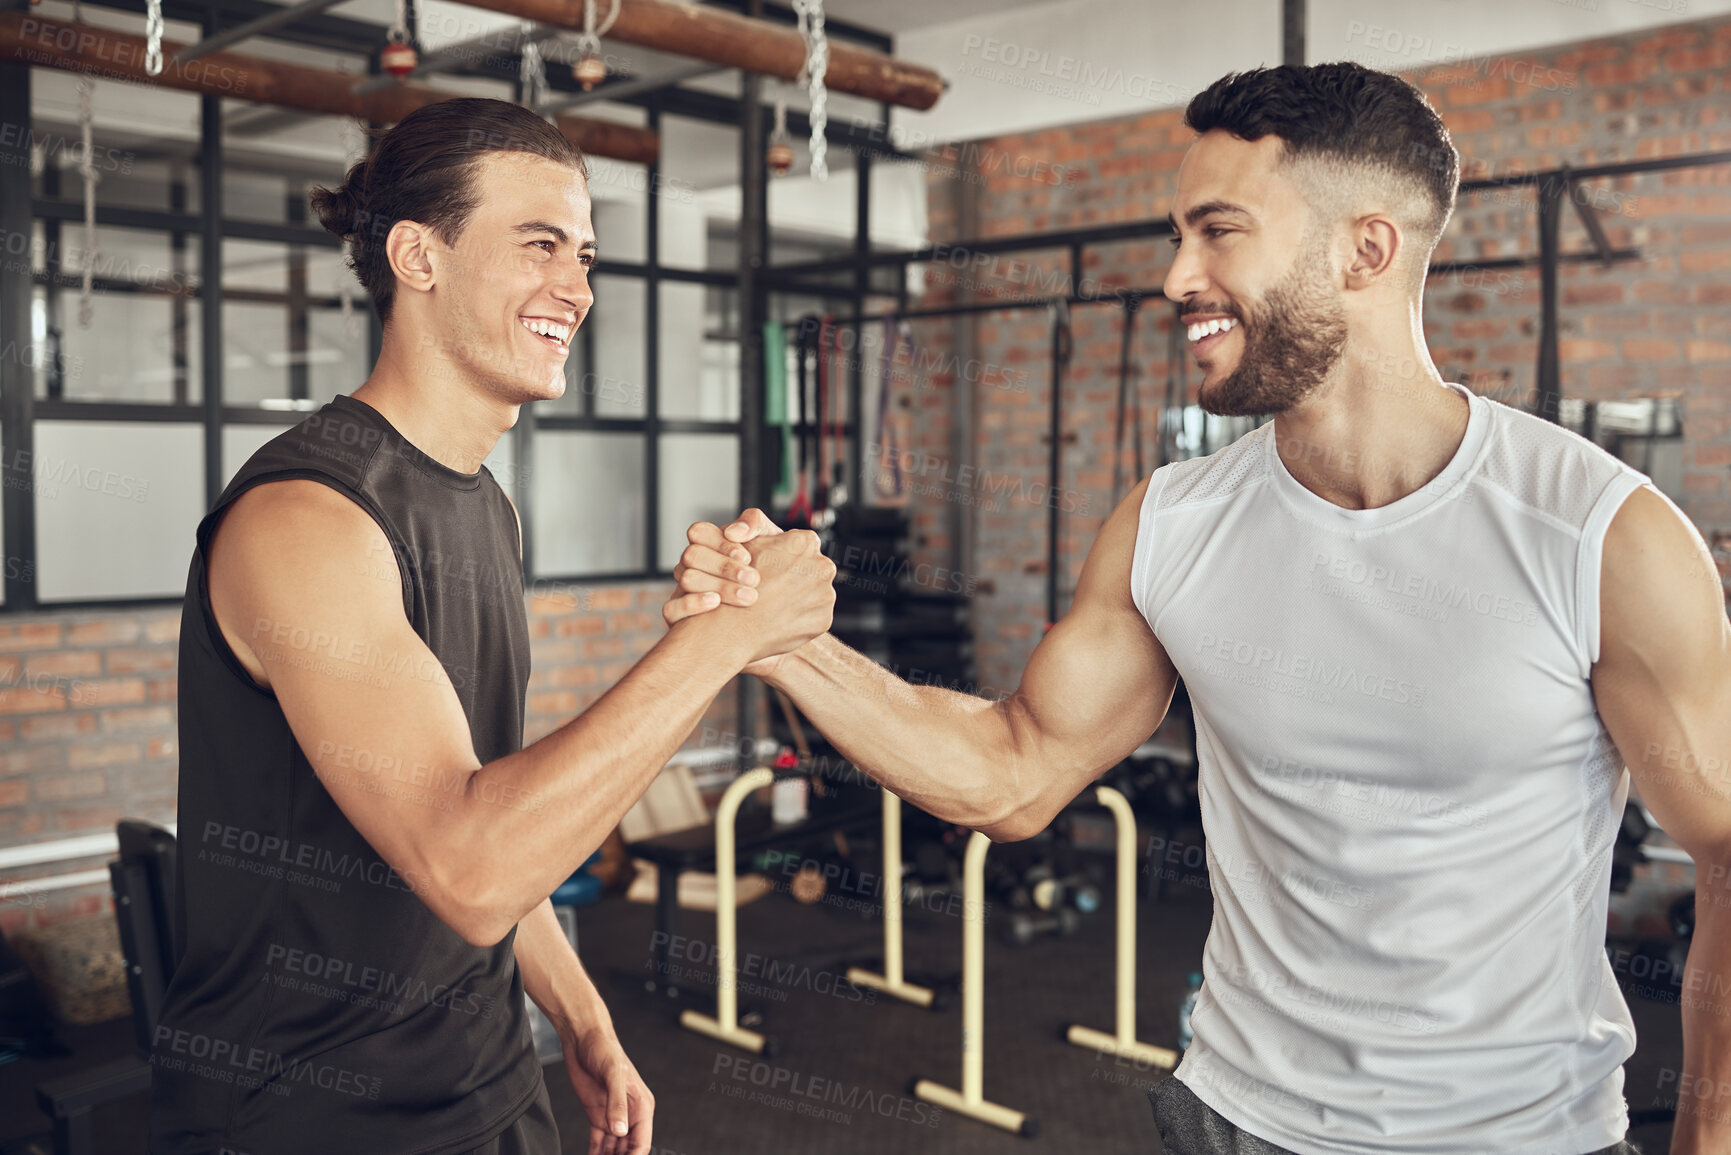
pixel 619 198
pixel 141 345
pixel 699 481
pixel 502 462
pixel 699 161
pixel 699 371
pixel 141 132
pixel 256 196
pixel 240 442
pixel 588 503
pixel 612 383
pixel 116 505
pixel 336 352
pixel 258 265
pixel 255 353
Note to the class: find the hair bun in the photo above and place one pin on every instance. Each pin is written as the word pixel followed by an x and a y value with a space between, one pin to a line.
pixel 342 210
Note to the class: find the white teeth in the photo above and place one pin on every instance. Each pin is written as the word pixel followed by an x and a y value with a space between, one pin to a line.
pixel 547 329
pixel 1203 329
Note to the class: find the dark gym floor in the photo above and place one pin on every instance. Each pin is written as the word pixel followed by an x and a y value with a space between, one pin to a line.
pixel 867 1050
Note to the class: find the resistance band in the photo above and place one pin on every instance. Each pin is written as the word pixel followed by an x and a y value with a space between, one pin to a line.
pixel 889 480
pixel 1129 402
pixel 775 408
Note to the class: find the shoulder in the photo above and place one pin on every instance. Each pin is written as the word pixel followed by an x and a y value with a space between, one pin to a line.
pixel 1659 587
pixel 1218 475
pixel 1546 468
pixel 296 529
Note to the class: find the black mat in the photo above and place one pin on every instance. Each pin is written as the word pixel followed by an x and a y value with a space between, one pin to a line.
pixel 838 1084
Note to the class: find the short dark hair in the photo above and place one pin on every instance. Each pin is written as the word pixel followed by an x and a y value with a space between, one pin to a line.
pixel 423 169
pixel 1341 112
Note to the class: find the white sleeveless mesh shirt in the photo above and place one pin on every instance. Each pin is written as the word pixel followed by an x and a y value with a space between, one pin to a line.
pixel 1408 796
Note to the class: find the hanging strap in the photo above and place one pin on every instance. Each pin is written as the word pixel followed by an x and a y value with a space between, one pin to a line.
pixel 775 407
pixel 820 479
pixel 1172 419
pixel 889 442
pixel 1129 402
pixel 799 512
pixel 838 417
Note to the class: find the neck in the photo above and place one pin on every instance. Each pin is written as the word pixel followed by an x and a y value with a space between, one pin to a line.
pixel 436 403
pixel 1382 425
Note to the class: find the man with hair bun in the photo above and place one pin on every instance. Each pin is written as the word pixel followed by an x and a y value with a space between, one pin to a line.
pixel 1426 637
pixel 366 846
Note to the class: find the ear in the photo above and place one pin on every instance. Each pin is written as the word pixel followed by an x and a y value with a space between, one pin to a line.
pixel 1376 247
pixel 410 251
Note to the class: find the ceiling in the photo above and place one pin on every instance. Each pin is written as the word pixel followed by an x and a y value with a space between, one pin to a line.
pixel 898 16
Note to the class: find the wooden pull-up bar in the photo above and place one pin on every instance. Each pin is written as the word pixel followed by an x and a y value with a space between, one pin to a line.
pixel 727 38
pixel 104 52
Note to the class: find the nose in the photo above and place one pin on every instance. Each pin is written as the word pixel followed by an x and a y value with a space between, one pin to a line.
pixel 571 285
pixel 1184 279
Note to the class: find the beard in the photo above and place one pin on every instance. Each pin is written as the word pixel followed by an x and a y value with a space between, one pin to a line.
pixel 1298 338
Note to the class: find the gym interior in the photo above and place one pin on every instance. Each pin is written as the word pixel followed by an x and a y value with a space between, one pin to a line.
pixel 912 297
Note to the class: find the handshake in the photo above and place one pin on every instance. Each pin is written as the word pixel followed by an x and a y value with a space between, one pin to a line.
pixel 779 587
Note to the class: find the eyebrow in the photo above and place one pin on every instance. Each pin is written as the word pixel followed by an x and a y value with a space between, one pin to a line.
pixel 1207 208
pixel 559 234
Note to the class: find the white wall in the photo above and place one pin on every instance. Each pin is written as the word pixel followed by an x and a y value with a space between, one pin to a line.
pixel 1083 60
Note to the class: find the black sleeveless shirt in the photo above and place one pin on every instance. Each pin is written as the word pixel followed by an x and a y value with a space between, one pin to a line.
pixel 320 1006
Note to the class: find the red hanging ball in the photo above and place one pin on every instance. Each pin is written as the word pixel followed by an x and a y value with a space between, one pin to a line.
pixel 780 157
pixel 398 59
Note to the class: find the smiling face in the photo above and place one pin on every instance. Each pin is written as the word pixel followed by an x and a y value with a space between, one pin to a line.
pixel 1254 275
pixel 514 288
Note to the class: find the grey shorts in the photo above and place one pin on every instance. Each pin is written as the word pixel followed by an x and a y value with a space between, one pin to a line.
pixel 1188 1126
pixel 534 1132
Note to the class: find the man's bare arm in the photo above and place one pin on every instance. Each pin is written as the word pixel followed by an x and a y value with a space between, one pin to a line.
pixel 1663 687
pixel 309 595
pixel 1096 687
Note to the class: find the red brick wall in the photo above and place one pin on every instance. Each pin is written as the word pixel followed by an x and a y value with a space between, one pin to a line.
pixel 88 725
pixel 1641 328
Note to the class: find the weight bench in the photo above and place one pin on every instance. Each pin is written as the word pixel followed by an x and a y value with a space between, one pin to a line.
pixel 143 881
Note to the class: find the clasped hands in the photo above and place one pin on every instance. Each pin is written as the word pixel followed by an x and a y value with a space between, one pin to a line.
pixel 780 581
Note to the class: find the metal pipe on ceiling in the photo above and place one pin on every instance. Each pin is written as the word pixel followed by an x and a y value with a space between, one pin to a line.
pixel 736 41
pixel 104 52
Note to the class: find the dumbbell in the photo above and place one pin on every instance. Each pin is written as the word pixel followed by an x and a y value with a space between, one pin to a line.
pixel 1023 928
